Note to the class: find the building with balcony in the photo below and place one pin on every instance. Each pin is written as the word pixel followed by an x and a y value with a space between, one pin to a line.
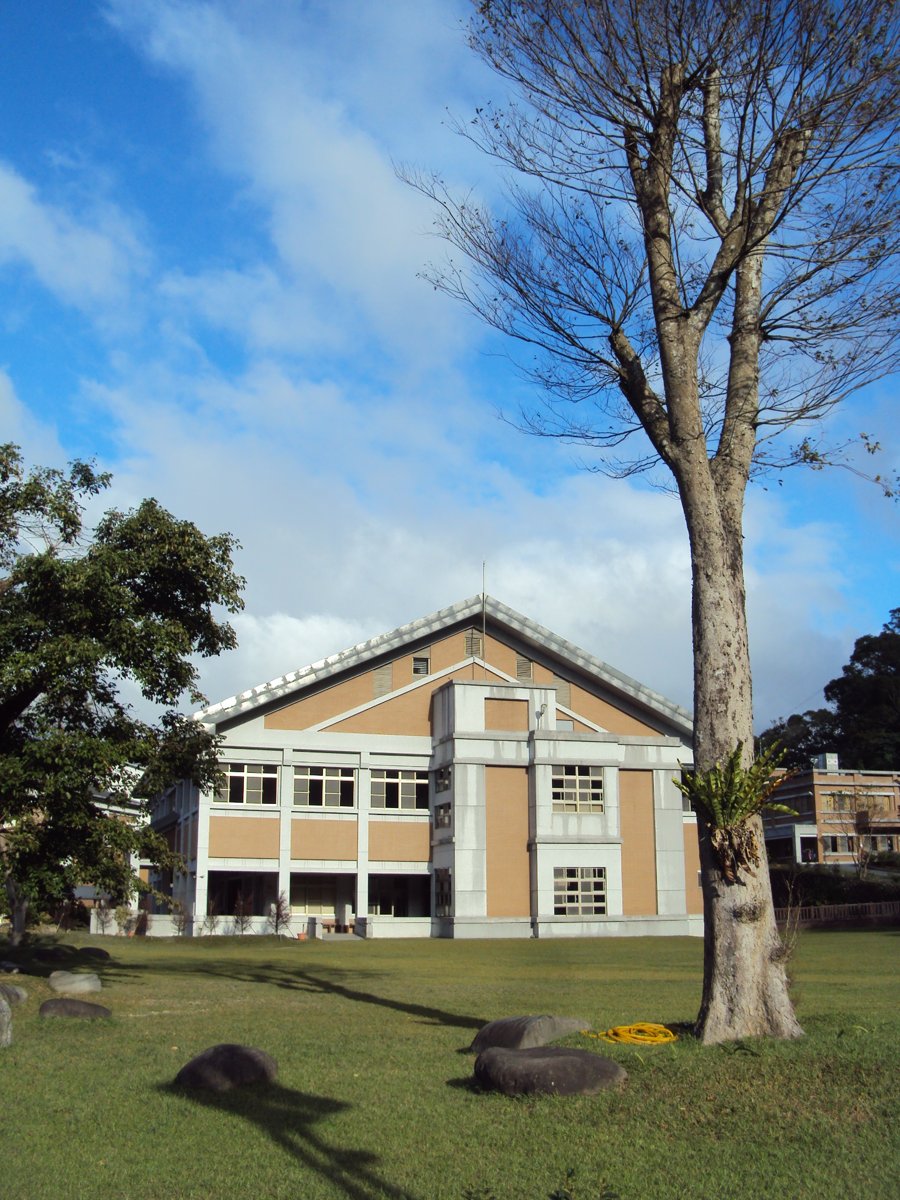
pixel 470 774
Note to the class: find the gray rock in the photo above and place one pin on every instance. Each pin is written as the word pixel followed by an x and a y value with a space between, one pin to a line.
pixel 9 968
pixel 518 1033
pixel 73 1008
pixel 5 1023
pixel 74 983
pixel 551 1069
pixel 12 994
pixel 227 1066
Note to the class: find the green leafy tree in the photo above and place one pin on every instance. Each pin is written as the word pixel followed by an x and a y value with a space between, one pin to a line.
pixel 81 611
pixel 863 724
pixel 698 254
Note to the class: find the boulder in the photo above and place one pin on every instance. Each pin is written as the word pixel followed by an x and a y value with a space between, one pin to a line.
pixel 12 994
pixel 551 1069
pixel 53 953
pixel 74 983
pixel 97 953
pixel 518 1033
pixel 227 1066
pixel 73 1008
pixel 5 1023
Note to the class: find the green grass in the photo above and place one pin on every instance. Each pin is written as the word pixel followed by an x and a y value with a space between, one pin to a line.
pixel 374 1096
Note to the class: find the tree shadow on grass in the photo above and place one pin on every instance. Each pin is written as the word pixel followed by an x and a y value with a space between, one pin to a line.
pixel 287 1117
pixel 306 981
pixel 303 981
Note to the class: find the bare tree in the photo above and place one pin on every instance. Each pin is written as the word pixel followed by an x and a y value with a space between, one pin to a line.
pixel 697 250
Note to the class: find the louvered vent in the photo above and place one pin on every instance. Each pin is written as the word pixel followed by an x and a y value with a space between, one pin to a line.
pixel 563 691
pixel 474 644
pixel 524 669
pixel 384 679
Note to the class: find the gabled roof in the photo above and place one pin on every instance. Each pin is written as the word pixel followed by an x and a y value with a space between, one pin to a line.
pixel 474 609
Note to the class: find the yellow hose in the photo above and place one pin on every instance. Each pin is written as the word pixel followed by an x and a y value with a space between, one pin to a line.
pixel 640 1034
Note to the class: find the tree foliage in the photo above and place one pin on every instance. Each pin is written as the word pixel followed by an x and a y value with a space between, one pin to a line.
pixel 81 612
pixel 863 723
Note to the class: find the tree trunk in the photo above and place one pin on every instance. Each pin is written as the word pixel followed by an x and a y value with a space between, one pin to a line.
pixel 18 910
pixel 745 986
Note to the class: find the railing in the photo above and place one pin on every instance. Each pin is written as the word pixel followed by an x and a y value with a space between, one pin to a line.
pixel 826 914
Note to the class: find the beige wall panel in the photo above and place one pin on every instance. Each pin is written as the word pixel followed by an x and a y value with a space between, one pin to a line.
pixel 192 838
pixel 330 702
pixel 399 841
pixel 605 714
pixel 500 656
pixel 409 714
pixel 318 838
pixel 692 890
pixel 507 859
pixel 243 837
pixel 638 843
pixel 447 651
pixel 506 715
pixel 577 726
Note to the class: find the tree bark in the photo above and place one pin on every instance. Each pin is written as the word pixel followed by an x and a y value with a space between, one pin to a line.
pixel 745 984
pixel 18 912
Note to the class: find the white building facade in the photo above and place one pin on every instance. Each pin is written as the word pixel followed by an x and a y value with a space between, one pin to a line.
pixel 467 775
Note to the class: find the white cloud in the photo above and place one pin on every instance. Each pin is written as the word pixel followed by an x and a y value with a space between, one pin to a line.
pixel 346 232
pixel 88 263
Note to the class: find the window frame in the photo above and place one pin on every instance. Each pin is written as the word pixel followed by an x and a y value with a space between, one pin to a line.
pixel 408 780
pixel 242 773
pixel 322 776
pixel 579 892
pixel 577 788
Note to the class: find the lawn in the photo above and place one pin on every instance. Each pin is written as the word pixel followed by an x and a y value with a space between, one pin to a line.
pixel 374 1096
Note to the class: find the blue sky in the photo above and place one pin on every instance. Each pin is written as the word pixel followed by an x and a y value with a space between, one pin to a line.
pixel 209 278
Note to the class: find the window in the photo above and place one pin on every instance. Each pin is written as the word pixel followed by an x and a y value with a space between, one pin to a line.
pixel 421 664
pixel 443 893
pixel 577 789
pixel 838 802
pixel 399 789
pixel 315 896
pixel 328 787
pixel 473 643
pixel 249 783
pixel 443 818
pixel 442 779
pixel 579 891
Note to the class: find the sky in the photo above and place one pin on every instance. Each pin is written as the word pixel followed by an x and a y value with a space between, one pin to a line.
pixel 211 284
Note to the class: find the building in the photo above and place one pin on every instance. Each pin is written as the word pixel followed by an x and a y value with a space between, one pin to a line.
pixel 842 816
pixel 469 774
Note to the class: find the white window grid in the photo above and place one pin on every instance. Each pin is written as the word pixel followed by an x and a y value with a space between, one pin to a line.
pixel 324 787
pixel 399 789
pixel 421 664
pixel 579 891
pixel 249 783
pixel 577 789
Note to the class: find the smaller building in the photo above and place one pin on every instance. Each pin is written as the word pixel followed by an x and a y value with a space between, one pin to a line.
pixel 843 817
